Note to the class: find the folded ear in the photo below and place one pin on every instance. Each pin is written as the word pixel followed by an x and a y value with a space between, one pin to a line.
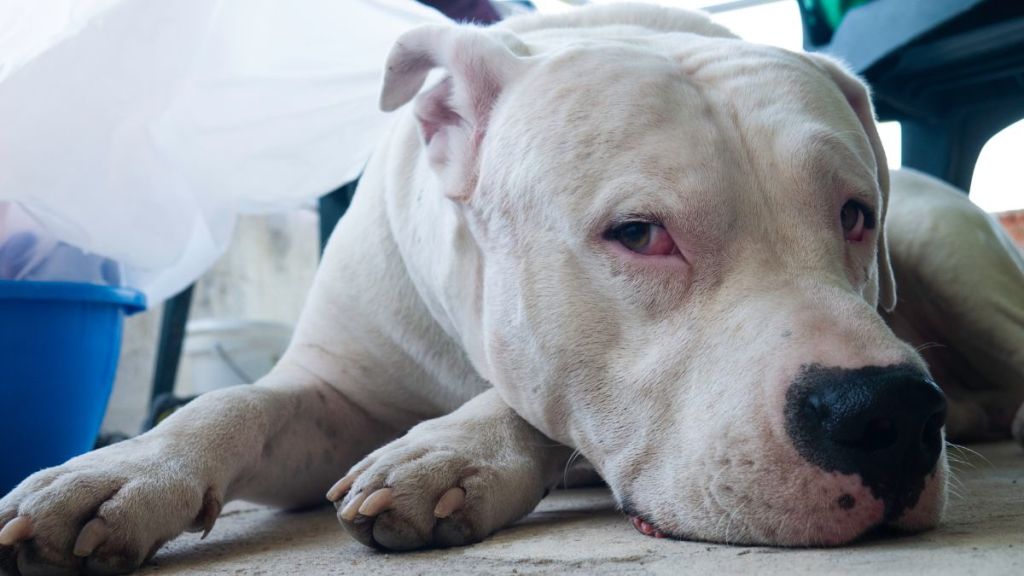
pixel 857 95
pixel 453 115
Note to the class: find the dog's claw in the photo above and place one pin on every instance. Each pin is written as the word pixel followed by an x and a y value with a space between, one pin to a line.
pixel 377 502
pixel 16 531
pixel 351 510
pixel 450 501
pixel 341 487
pixel 645 528
pixel 209 513
pixel 94 533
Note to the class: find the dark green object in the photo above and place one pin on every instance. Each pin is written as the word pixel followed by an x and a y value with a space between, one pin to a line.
pixel 822 17
pixel 172 337
pixel 948 70
pixel 834 10
pixel 332 207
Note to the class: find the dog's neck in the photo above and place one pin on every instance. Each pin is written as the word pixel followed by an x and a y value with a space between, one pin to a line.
pixel 441 255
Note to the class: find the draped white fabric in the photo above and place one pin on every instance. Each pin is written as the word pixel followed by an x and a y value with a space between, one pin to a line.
pixel 138 130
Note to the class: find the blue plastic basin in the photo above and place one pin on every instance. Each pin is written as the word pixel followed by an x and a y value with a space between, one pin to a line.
pixel 59 345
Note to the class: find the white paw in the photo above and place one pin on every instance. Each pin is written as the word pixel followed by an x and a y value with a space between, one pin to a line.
pixel 105 512
pixel 438 486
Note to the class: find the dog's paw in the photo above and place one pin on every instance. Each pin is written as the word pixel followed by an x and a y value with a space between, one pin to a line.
pixel 105 512
pixel 437 487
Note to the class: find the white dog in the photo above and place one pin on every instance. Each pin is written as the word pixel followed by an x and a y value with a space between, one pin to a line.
pixel 621 232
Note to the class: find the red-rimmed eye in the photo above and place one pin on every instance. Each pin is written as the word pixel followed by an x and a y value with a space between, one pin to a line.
pixel 644 238
pixel 855 218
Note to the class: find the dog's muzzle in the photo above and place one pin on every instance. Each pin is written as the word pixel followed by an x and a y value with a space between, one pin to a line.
pixel 882 423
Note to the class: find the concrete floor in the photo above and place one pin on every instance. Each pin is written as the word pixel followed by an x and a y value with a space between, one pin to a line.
pixel 580 532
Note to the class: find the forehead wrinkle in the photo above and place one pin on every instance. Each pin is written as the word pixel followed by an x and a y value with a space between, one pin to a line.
pixel 788 214
pixel 788 144
pixel 630 194
pixel 679 182
pixel 845 166
pixel 641 140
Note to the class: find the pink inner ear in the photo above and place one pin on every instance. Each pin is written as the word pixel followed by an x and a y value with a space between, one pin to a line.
pixel 434 110
pixel 480 77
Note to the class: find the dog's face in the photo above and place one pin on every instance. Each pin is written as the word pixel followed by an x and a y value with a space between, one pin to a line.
pixel 680 247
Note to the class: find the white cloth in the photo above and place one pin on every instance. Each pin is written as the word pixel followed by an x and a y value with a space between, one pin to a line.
pixel 139 129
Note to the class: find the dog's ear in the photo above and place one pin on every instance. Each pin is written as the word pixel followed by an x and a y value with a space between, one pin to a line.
pixel 454 113
pixel 857 95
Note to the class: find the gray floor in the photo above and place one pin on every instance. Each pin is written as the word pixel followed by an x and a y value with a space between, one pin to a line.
pixel 579 532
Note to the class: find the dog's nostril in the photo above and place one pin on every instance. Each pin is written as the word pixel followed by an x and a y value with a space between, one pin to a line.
pixel 933 427
pixel 879 434
pixel 931 433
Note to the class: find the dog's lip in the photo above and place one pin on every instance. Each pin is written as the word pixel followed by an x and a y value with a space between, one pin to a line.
pixel 646 528
pixel 878 530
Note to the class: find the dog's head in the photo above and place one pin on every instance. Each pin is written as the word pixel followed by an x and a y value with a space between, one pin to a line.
pixel 677 251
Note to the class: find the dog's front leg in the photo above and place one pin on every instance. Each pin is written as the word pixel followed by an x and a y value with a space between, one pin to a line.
pixel 451 480
pixel 281 441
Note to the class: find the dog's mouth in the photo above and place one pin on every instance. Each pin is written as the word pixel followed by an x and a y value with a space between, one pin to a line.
pixel 880 530
pixel 646 528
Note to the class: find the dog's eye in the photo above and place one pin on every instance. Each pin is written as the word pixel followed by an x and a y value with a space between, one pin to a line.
pixel 855 218
pixel 644 238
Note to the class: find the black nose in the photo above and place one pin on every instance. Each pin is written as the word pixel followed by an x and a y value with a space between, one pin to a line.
pixel 884 423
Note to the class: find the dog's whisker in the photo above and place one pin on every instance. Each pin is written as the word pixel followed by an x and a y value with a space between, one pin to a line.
pixel 952 453
pixel 929 346
pixel 955 481
pixel 807 530
pixel 956 491
pixel 958 464
pixel 954 472
pixel 568 464
pixel 718 523
pixel 971 452
pixel 727 514
pixel 732 516
pixel 954 456
pixel 779 523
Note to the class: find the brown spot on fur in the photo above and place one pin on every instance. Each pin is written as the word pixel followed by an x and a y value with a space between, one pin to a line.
pixel 846 501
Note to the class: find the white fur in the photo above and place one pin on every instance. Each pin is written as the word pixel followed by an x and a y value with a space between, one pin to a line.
pixel 470 298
